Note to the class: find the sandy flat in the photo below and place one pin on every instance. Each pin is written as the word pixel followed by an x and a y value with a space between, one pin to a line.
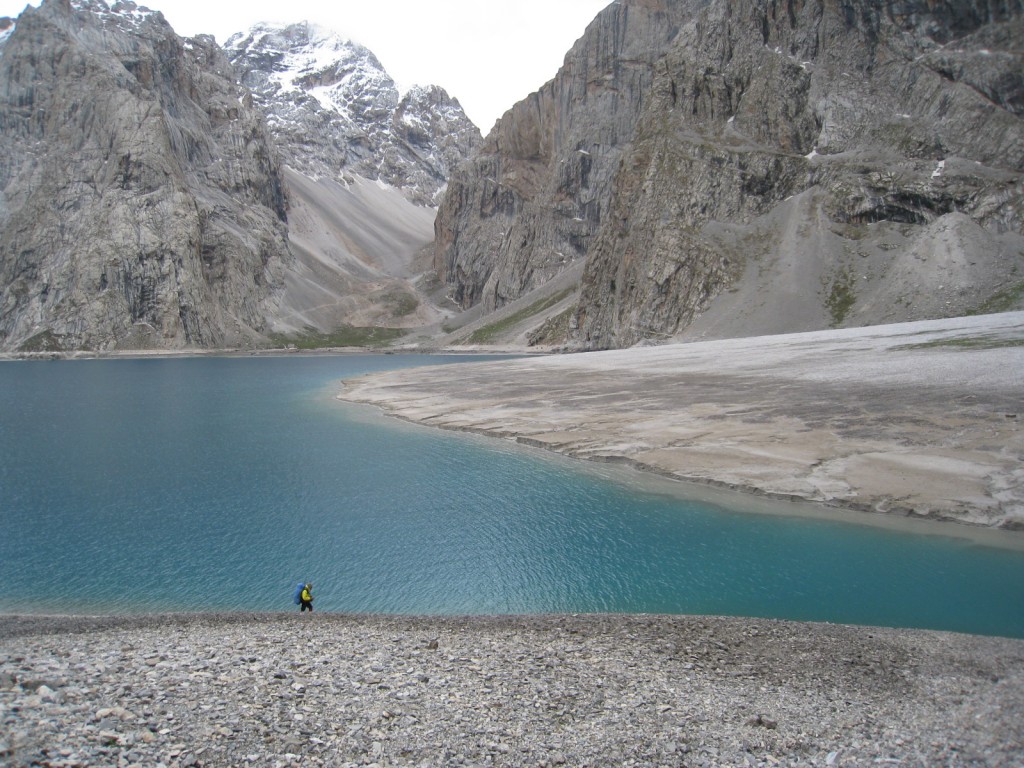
pixel 917 419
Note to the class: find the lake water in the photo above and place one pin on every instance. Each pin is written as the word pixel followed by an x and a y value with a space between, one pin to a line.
pixel 217 483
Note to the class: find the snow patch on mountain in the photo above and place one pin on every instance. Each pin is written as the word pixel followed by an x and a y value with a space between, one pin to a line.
pixel 127 14
pixel 6 28
pixel 334 110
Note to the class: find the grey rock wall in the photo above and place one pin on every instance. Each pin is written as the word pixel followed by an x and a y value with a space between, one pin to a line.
pixel 527 204
pixel 897 121
pixel 140 201
pixel 738 167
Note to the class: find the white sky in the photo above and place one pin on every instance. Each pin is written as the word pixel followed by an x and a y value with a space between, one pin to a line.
pixel 488 54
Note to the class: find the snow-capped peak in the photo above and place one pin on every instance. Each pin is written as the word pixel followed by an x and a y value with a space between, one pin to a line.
pixel 124 10
pixel 331 106
pixel 308 58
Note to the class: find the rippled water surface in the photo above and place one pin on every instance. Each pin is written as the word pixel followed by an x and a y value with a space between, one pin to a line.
pixel 217 483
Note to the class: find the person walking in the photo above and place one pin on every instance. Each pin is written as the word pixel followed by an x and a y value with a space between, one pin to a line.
pixel 306 599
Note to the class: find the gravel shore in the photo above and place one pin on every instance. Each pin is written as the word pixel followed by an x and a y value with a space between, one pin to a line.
pixel 603 690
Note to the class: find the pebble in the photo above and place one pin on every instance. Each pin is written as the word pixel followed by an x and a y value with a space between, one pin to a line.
pixel 601 690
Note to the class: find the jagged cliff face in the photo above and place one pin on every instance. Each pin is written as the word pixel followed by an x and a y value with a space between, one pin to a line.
pixel 334 111
pixel 141 205
pixel 778 167
pixel 528 203
pixel 823 164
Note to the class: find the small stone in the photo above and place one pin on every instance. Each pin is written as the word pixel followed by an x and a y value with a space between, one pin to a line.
pixel 46 693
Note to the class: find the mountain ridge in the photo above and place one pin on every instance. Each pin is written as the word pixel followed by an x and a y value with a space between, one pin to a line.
pixel 865 139
pixel 164 209
pixel 696 169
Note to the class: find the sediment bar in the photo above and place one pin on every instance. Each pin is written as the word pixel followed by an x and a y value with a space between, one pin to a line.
pixel 920 420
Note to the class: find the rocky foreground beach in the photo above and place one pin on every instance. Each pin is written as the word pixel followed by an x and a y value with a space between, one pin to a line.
pixel 604 690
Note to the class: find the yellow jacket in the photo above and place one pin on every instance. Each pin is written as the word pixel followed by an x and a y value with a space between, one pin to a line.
pixel 305 596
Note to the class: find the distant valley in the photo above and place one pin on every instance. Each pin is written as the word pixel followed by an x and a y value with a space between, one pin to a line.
pixel 169 193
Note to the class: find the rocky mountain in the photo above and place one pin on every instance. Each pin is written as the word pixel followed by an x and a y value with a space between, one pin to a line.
pixel 333 110
pixel 726 167
pixel 697 168
pixel 363 168
pixel 150 199
pixel 140 200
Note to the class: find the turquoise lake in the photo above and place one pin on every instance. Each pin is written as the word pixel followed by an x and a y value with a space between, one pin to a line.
pixel 216 484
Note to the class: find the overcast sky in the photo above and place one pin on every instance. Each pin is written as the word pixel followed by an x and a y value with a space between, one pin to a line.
pixel 488 54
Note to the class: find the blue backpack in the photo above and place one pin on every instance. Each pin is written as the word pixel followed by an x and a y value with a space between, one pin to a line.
pixel 298 592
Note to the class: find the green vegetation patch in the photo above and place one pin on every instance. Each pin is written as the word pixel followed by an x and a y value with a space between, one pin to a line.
pixel 966 342
pixel 851 231
pixel 44 341
pixel 487 333
pixel 555 330
pixel 841 297
pixel 406 304
pixel 401 303
pixel 1005 300
pixel 343 336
